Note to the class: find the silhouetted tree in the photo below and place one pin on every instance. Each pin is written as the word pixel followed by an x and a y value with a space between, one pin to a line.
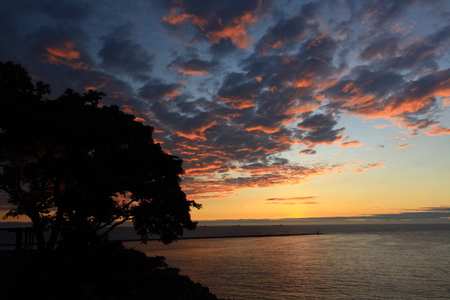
pixel 76 168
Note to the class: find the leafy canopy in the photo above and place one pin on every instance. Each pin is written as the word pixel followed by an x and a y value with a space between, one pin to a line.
pixel 76 168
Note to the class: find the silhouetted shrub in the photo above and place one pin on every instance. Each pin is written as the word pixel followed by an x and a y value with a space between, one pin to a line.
pixel 109 273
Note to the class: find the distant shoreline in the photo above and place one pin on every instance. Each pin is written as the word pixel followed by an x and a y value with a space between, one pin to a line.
pixel 227 236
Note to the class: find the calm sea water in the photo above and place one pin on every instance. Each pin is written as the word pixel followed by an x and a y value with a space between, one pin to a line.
pixel 347 262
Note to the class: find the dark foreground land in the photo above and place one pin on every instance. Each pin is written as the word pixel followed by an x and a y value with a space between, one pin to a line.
pixel 109 273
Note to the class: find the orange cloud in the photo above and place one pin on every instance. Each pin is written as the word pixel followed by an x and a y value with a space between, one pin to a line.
pixel 404 145
pixel 217 181
pixel 138 119
pixel 175 18
pixel 276 44
pixel 302 108
pixel 239 103
pixel 422 96
pixel 64 51
pixel 438 131
pixel 235 30
pixel 370 166
pixel 265 129
pixel 290 199
pixel 381 126
pixel 351 144
pixel 197 133
pixel 303 82
pixel 172 94
pixel 193 72
pixel 65 54
pixel 97 86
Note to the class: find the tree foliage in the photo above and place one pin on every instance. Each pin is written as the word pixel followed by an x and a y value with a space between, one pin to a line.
pixel 77 168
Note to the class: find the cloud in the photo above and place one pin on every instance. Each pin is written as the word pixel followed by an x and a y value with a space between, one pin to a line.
pixel 193 66
pixel 293 203
pixel 259 173
pixel 430 215
pixel 320 130
pixel 381 48
pixel 307 152
pixel 156 89
pixel 404 145
pixel 290 199
pixel 351 144
pixel 120 54
pixel 381 12
pixel 438 131
pixel 287 33
pixel 278 76
pixel 72 12
pixel 239 92
pixel 381 126
pixel 215 21
pixel 421 54
pixel 63 46
pixel 370 166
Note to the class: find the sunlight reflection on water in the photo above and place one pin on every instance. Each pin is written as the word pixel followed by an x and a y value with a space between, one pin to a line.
pixel 377 265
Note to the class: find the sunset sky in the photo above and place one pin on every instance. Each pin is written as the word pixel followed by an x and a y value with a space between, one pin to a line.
pixel 279 109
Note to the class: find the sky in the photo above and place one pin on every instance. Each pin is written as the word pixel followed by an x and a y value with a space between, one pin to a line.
pixel 292 110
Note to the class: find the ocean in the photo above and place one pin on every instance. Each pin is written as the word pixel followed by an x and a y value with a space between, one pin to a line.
pixel 402 261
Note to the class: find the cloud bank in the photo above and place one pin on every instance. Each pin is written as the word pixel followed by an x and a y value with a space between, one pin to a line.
pixel 233 86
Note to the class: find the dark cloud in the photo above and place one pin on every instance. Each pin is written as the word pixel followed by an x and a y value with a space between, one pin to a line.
pixel 351 144
pixel 193 66
pixel 283 35
pixel 430 215
pixel 63 11
pixel 121 54
pixel 374 85
pixel 223 47
pixel 156 89
pixel 404 145
pixel 282 67
pixel 64 46
pixel 381 48
pixel 391 52
pixel 299 72
pixel 10 25
pixel 381 12
pixel 319 129
pixel 307 152
pixel 238 91
pixel 419 123
pixel 217 22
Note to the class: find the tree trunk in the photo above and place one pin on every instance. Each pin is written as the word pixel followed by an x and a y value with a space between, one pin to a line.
pixel 55 231
pixel 40 240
